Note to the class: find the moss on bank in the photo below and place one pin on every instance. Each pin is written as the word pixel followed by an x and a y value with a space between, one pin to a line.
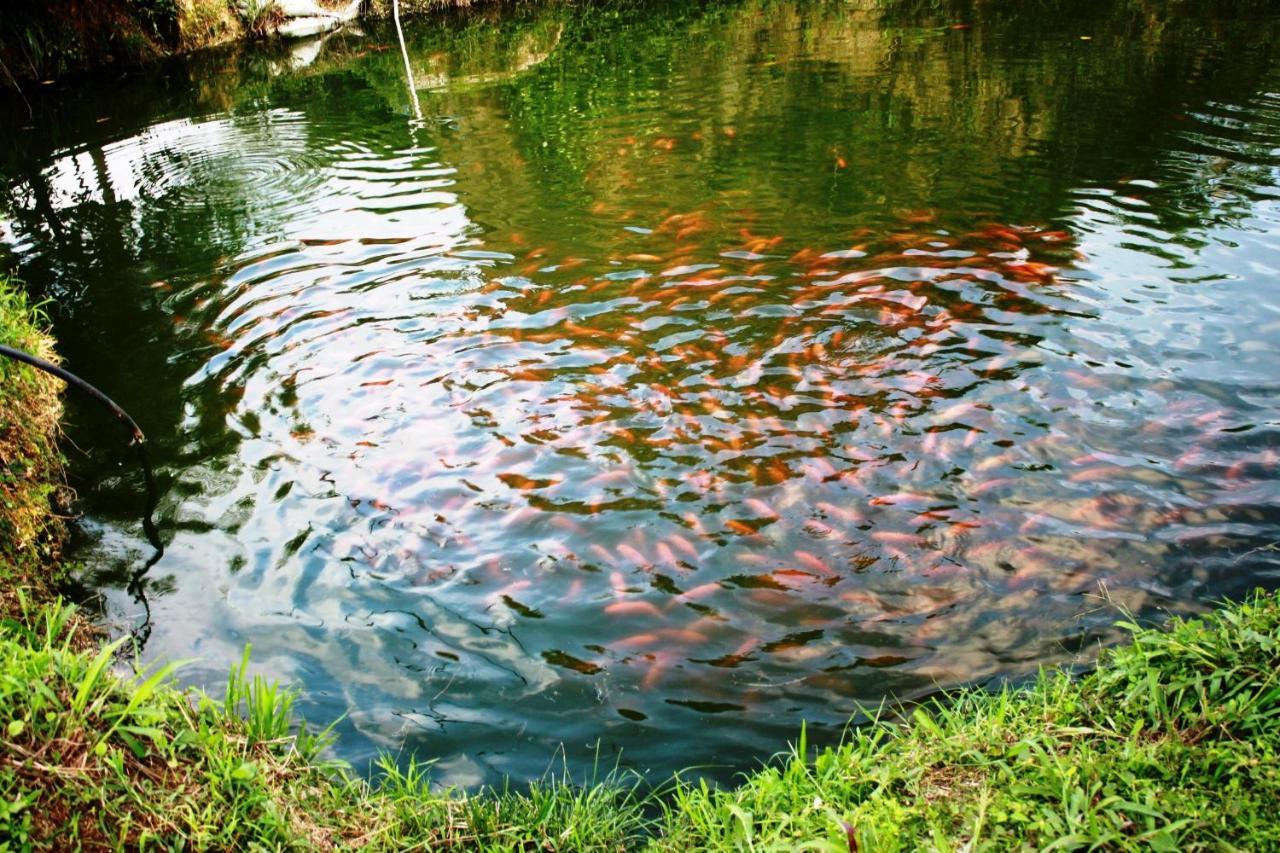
pixel 1170 744
pixel 30 467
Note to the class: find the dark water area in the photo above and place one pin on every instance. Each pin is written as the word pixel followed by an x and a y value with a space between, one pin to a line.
pixel 661 376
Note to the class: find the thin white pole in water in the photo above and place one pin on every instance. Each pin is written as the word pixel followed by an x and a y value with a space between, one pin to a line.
pixel 408 72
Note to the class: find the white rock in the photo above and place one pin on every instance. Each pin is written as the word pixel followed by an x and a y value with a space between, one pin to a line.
pixel 306 18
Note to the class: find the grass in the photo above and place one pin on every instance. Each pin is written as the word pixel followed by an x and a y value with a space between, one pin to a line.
pixel 30 465
pixel 1170 744
pixel 201 23
pixel 261 17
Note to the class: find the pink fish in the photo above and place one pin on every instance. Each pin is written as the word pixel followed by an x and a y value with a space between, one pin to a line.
pixel 633 555
pixel 514 586
pixel 633 608
pixel 636 640
pixel 567 524
pixel 700 591
pixel 695 524
pixel 661 661
pixel 684 545
pixel 813 562
pixel 609 477
pixel 902 498
pixel 666 555
pixel 684 635
pixel 816 528
pixel 893 537
pixel 983 488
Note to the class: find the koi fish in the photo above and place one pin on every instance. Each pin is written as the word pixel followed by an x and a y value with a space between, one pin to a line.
pixel 661 660
pixel 813 562
pixel 632 608
pixel 761 508
pixel 697 592
pixel 684 545
pixel 630 553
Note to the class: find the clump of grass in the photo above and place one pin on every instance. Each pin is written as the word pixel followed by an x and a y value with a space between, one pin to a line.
pixel 261 17
pixel 205 22
pixel 1172 744
pixel 111 761
pixel 554 813
pixel 30 465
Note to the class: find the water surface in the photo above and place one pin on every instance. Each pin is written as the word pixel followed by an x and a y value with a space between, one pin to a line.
pixel 660 377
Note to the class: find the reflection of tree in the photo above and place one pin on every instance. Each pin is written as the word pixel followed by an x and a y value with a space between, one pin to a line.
pixel 104 222
pixel 915 110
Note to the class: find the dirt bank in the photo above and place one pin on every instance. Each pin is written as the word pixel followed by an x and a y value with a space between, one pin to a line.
pixel 45 39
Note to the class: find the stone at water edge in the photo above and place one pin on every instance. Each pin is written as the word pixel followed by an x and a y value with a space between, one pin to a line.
pixel 306 18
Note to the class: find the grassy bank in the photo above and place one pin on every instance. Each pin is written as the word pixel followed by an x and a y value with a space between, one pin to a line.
pixel 1170 744
pixel 30 467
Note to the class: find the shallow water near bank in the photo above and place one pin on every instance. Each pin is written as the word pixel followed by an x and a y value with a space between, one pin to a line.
pixel 659 378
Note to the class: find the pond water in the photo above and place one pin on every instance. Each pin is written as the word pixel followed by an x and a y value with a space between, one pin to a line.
pixel 644 381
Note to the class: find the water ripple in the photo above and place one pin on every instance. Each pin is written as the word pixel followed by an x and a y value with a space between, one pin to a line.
pixel 698 399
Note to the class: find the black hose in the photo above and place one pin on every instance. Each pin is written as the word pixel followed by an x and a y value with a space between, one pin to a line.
pixel 71 379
